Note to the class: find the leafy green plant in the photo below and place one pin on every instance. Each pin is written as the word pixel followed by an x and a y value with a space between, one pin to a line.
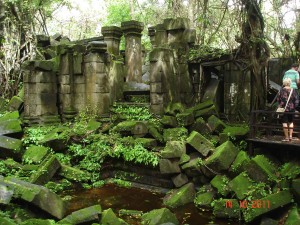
pixel 32 135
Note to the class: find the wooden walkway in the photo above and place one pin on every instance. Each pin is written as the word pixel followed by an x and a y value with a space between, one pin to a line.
pixel 266 130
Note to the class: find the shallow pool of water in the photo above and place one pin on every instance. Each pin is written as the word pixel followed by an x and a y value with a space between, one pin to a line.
pixel 117 198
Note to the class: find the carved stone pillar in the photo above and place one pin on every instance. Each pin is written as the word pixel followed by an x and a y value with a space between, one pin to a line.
pixel 133 49
pixel 112 36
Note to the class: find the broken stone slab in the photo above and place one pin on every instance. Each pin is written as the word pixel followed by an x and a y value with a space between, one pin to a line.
pixel 200 143
pixel 55 139
pixel 267 204
pixel 11 126
pixel 181 196
pixel 74 174
pixel 175 134
pixel 204 200
pixel 241 185
pixel 180 180
pixel 109 218
pixel 215 124
pixel 236 132
pixel 85 215
pixel 10 147
pixel 135 128
pixel 185 119
pixel 159 216
pixel 220 182
pixel 167 166
pixel 169 121
pixel 293 217
pixel 220 160
pixel 37 195
pixel 240 162
pixel 199 126
pixel 6 193
pixel 260 169
pixel 173 149
pixel 46 170
pixel 14 103
pixel 226 208
pixel 35 154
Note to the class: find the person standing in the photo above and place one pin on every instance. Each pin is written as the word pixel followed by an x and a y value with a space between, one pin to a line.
pixel 290 105
pixel 293 75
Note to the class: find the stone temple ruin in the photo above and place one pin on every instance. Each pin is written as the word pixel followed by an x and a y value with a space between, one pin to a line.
pixel 94 73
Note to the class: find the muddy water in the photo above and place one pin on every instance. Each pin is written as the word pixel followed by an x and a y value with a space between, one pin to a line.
pixel 117 198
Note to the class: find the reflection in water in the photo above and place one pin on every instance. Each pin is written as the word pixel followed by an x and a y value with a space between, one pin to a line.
pixel 117 198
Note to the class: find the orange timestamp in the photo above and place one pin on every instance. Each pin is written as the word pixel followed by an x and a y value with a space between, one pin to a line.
pixel 254 204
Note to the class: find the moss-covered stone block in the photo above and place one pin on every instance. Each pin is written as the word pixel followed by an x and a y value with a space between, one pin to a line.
pixel 148 143
pixel 205 113
pixel 192 168
pixel 240 162
pixel 35 154
pixel 14 103
pixel 46 171
pixel 260 169
pixel 89 214
pixel 167 166
pixel 241 185
pixel 220 182
pixel 296 189
pixel 6 193
pixel 204 200
pixel 55 139
pixel 173 149
pixel 159 216
pixel 203 105
pixel 221 159
pixel 272 202
pixel 185 158
pixel 9 116
pixel 200 126
pixel 226 208
pixel 135 128
pixel 74 174
pixel 37 222
pixel 180 180
pixel 290 170
pixel 236 132
pixel 10 147
pixel 174 108
pixel 109 218
pixel 185 119
pixel 215 124
pixel 169 121
pixel 93 125
pixel 181 196
pixel 10 126
pixel 293 217
pixel 154 132
pixel 200 143
pixel 10 163
pixel 175 134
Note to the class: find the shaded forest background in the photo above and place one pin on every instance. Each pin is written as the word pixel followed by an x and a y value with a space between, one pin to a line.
pixel 255 29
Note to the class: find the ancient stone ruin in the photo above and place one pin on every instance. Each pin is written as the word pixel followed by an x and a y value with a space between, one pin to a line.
pixel 94 73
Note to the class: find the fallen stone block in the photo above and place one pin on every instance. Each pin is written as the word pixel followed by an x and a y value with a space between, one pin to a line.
pixel 226 208
pixel 220 160
pixel 260 169
pixel 236 132
pixel 169 121
pixel 110 218
pixel 10 147
pixel 200 143
pixel 180 180
pixel 5 193
pixel 181 196
pixel 205 113
pixel 192 168
pixel 241 185
pixel 174 108
pixel 159 216
pixel 184 159
pixel 89 214
pixel 199 126
pixel 37 222
pixel 46 171
pixel 175 134
pixel 11 126
pixel 74 174
pixel 203 105
pixel 185 119
pixel 153 131
pixel 55 139
pixel 37 195
pixel 220 182
pixel 35 154
pixel 135 128
pixel 293 217
pixel 14 103
pixel 148 143
pixel 10 116
pixel 173 149
pixel 215 124
pixel 12 164
pixel 129 212
pixel 204 199
pixel 167 166
pixel 267 204
pixel 240 162
pixel 296 189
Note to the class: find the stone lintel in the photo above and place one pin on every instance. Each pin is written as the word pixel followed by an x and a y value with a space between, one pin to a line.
pixel 176 24
pixel 97 46
pixel 112 32
pixel 132 27
pixel 160 27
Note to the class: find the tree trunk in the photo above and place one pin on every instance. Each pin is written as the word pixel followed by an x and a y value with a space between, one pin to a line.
pixel 254 52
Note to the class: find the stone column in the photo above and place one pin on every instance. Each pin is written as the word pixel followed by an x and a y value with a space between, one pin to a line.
pixel 112 36
pixel 151 34
pixel 133 50
pixel 161 38
pixel 96 78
